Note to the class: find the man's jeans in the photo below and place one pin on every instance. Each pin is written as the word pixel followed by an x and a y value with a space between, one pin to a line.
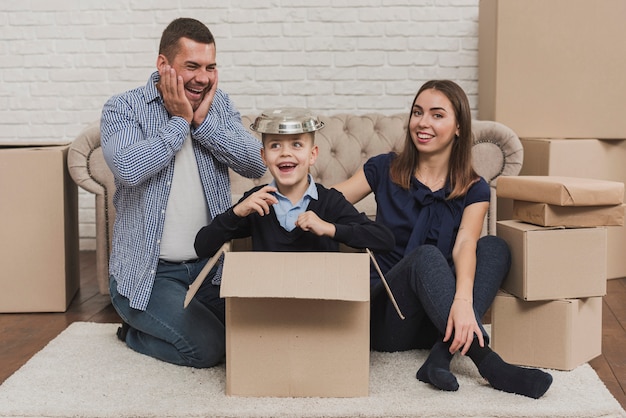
pixel 192 336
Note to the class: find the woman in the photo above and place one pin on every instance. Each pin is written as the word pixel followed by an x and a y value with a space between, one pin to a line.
pixel 443 276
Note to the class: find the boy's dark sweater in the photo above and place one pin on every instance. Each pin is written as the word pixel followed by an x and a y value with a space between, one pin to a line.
pixel 352 228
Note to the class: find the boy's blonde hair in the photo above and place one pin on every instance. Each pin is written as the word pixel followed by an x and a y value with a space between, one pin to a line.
pixel 266 136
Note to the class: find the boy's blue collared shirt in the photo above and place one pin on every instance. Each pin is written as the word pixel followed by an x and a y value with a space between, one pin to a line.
pixel 286 212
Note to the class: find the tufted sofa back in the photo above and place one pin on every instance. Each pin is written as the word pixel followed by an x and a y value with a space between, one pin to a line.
pixel 348 140
pixel 345 143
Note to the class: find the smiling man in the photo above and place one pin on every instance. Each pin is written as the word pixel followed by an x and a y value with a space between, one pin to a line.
pixel 169 145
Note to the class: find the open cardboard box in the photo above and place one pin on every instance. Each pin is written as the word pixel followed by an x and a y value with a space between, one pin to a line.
pixel 554 262
pixel 297 323
pixel 558 334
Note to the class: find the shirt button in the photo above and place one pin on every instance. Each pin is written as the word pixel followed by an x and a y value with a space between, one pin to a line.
pixel 152 272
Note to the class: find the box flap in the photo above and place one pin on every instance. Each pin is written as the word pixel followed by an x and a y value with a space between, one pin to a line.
pixel 302 275
pixel 561 191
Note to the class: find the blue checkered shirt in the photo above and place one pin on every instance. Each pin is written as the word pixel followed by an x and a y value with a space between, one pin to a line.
pixel 139 141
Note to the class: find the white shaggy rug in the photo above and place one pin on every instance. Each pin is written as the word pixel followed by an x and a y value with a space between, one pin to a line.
pixel 87 372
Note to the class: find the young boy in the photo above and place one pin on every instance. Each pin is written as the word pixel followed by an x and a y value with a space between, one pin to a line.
pixel 292 213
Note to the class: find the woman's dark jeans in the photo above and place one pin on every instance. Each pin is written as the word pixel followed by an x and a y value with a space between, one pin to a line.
pixel 424 285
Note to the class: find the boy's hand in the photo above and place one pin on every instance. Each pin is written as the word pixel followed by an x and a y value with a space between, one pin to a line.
pixel 258 202
pixel 172 90
pixel 309 221
pixel 199 115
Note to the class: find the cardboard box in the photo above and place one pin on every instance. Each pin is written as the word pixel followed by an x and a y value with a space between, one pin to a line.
pixel 561 190
pixel 297 324
pixel 39 224
pixel 569 216
pixel 554 262
pixel 559 334
pixel 546 68
pixel 589 158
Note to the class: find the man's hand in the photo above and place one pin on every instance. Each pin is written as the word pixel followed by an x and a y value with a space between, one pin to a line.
pixel 199 115
pixel 258 202
pixel 172 90
pixel 309 221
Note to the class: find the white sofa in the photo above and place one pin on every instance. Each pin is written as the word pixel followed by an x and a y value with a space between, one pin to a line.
pixel 345 143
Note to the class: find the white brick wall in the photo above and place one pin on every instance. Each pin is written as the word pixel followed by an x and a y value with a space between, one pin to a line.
pixel 61 59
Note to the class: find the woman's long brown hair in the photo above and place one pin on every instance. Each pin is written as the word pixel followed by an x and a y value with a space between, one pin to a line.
pixel 461 174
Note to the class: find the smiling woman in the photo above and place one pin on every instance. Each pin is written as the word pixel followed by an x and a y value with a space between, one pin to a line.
pixel 433 128
pixel 444 274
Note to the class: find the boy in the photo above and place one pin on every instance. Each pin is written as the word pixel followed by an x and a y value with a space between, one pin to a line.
pixel 292 213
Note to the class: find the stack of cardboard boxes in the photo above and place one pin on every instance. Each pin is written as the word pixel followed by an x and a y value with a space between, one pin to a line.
pixel 549 313
pixel 547 71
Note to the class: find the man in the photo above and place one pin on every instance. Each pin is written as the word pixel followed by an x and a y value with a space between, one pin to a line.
pixel 169 145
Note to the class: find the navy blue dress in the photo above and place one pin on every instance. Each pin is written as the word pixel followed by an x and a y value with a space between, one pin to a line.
pixel 417 216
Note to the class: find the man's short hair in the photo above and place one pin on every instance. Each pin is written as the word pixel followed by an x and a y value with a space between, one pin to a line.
pixel 183 27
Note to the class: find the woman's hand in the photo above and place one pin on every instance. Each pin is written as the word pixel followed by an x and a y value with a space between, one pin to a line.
pixel 462 323
pixel 259 202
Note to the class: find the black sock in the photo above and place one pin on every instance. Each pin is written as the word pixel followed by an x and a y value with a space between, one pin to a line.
pixel 122 331
pixel 508 377
pixel 436 368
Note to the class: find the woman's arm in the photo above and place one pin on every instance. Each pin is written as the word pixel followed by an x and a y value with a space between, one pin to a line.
pixel 355 188
pixel 462 320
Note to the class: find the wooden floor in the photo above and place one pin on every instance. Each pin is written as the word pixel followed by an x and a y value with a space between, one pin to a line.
pixel 23 335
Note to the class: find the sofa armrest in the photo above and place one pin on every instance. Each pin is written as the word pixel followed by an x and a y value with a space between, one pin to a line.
pixel 81 161
pixel 89 171
pixel 497 151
